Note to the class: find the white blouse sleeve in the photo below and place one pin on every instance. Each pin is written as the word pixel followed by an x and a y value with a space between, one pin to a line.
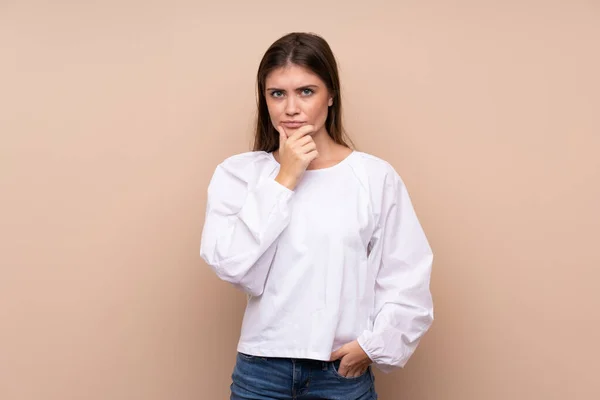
pixel 403 304
pixel 245 214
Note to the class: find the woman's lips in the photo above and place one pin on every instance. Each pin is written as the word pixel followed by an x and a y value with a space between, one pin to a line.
pixel 292 125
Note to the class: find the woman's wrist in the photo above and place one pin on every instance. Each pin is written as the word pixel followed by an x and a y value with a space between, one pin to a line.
pixel 286 180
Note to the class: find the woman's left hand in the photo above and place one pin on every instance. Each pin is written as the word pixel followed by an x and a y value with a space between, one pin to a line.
pixel 354 360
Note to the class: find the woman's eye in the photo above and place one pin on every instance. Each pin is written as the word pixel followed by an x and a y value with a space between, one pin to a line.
pixel 276 93
pixel 307 92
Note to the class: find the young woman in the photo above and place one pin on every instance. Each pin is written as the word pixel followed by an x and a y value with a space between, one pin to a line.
pixel 323 239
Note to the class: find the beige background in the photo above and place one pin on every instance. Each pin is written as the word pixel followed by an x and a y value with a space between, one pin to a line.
pixel 113 117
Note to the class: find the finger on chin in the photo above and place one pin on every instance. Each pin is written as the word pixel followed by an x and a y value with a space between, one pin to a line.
pixel 302 131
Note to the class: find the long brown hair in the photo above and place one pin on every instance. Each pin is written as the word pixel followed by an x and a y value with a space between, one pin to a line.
pixel 312 52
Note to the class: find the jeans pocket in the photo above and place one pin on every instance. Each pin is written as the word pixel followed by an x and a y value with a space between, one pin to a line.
pixel 251 358
pixel 335 365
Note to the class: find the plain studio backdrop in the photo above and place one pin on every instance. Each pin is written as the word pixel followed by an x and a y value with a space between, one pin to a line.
pixel 114 114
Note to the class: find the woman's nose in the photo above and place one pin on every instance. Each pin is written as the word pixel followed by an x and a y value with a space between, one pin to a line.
pixel 291 106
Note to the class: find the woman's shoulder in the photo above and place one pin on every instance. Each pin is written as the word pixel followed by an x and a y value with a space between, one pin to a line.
pixel 382 178
pixel 375 167
pixel 247 166
pixel 246 159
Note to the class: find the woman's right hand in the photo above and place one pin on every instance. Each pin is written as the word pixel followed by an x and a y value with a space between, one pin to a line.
pixel 296 152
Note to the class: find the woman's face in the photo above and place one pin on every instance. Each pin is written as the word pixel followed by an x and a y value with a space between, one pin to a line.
pixel 295 97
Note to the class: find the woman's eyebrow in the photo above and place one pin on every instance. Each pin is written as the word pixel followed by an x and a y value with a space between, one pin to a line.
pixel 301 87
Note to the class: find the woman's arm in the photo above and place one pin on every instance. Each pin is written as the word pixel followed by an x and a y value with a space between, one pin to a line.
pixel 403 304
pixel 242 223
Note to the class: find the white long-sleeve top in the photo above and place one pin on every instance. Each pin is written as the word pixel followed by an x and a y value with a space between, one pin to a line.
pixel 341 257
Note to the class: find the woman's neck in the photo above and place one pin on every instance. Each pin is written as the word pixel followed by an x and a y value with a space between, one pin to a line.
pixel 325 144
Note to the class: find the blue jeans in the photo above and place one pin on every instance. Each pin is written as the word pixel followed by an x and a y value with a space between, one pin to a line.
pixel 270 378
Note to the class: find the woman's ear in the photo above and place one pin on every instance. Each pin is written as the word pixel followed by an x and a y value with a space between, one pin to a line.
pixel 330 103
